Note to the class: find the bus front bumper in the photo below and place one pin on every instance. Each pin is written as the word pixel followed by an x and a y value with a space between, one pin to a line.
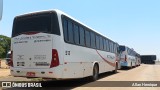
pixel 124 63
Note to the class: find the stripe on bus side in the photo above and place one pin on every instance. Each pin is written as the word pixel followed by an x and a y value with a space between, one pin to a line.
pixel 107 61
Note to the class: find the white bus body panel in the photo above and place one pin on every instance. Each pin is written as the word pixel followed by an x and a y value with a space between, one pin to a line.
pixel 33 53
pixel 30 51
pixel 81 60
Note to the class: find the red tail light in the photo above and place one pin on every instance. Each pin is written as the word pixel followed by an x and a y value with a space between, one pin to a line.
pixel 10 63
pixel 125 59
pixel 55 58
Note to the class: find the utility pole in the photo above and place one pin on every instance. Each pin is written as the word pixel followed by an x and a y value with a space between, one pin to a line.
pixel 1 8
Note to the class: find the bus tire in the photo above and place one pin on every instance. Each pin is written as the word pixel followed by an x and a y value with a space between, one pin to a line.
pixel 131 66
pixel 95 73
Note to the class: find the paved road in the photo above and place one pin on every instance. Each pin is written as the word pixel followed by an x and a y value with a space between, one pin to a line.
pixel 141 73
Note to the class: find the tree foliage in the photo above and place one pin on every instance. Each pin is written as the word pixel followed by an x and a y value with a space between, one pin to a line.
pixel 5 43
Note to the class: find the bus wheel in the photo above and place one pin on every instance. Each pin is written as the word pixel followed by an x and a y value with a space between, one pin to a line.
pixel 94 77
pixel 131 65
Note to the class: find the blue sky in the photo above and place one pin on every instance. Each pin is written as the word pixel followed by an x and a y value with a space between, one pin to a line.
pixel 135 23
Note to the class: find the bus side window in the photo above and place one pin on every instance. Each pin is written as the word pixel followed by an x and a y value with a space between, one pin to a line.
pixel 81 31
pixel 76 34
pixel 70 31
pixel 110 46
pixel 115 48
pixel 104 44
pixel 65 30
pixel 88 38
pixel 97 42
pixel 93 40
pixel 101 43
pixel 107 43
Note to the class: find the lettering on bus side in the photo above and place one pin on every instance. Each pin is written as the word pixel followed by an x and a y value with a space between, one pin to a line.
pixel 40 37
pixel 110 57
pixel 20 42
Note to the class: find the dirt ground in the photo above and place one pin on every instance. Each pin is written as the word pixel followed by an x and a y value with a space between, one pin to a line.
pixel 142 73
pixel 4 70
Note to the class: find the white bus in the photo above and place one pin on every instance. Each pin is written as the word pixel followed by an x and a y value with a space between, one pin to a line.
pixel 127 57
pixel 1 8
pixel 51 44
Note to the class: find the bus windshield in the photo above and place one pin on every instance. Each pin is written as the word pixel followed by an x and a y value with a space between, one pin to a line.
pixel 39 22
pixel 122 48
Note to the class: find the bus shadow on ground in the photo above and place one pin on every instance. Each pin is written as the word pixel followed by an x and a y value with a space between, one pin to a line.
pixel 64 84
pixel 128 68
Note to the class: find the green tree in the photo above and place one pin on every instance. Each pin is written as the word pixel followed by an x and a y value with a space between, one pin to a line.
pixel 2 51
pixel 5 43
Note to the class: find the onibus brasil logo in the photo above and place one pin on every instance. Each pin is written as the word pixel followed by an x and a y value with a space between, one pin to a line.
pixel 20 84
